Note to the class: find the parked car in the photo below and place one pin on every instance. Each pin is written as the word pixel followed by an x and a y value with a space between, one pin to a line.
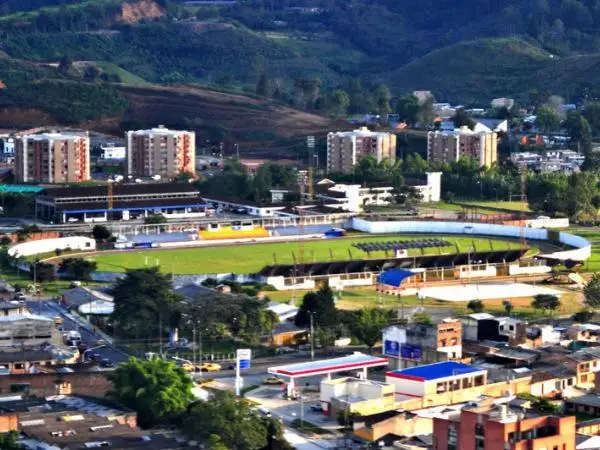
pixel 273 380
pixel 105 362
pixel 316 408
pixel 210 367
pixel 187 367
pixel 283 350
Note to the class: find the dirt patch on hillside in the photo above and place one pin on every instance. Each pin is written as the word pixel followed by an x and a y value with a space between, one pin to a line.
pixel 142 10
pixel 15 117
pixel 235 113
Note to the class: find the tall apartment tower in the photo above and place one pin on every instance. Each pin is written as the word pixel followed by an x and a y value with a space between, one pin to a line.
pixel 52 158
pixel 160 151
pixel 346 148
pixel 449 146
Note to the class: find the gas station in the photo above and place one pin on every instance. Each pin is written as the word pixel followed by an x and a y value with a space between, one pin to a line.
pixel 356 361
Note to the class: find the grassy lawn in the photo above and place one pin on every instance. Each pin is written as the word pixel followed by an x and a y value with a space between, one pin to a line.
pixel 48 288
pixel 515 206
pixel 358 298
pixel 125 76
pixel 307 426
pixel 251 258
pixel 592 235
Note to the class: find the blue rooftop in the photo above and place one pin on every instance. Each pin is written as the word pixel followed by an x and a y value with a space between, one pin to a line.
pixel 434 371
pixel 394 277
pixel 20 188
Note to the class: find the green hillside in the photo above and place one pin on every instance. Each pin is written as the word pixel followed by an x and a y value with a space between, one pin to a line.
pixel 462 50
pixel 467 71
pixel 160 53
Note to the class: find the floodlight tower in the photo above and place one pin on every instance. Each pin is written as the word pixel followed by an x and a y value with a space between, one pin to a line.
pixel 524 207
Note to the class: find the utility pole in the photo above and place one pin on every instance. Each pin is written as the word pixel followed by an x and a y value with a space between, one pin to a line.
pixel 194 345
pixel 160 333
pixel 312 337
pixel 200 349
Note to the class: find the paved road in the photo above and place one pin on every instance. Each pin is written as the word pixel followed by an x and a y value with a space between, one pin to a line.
pixel 49 308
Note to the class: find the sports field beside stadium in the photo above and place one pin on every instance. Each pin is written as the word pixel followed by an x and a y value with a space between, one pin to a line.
pixel 250 258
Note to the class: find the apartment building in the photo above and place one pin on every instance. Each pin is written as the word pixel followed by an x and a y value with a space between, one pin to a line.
pixel 160 151
pixel 487 425
pixel 418 344
pixel 52 158
pixel 449 146
pixel 345 149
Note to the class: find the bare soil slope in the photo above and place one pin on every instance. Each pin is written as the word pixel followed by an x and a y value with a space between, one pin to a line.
pixel 238 114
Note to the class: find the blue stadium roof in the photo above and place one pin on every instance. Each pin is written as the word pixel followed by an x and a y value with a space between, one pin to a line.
pixel 434 371
pixel 394 277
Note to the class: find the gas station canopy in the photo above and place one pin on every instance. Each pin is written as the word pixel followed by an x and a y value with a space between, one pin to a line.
pixel 328 366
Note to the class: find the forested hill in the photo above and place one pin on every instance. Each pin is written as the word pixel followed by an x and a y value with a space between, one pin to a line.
pixel 305 51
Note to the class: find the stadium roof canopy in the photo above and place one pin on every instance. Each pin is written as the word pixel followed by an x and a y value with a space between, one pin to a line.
pixel 382 264
pixel 394 277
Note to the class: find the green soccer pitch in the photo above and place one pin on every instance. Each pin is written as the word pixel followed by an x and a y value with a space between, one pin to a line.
pixel 250 258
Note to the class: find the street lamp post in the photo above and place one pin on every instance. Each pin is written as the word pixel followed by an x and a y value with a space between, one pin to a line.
pixel 312 336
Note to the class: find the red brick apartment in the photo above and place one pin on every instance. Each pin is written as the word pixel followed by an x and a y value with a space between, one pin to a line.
pixel 490 426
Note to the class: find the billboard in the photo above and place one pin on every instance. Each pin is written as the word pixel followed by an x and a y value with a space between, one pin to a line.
pixel 391 348
pixel 412 352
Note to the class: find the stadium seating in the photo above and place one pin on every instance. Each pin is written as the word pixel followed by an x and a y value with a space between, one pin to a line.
pixel 229 233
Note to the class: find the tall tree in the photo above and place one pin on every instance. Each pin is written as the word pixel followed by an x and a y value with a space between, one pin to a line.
pixel 546 302
pixel 547 119
pixel 145 304
pixel 321 305
pixel 591 292
pixel 475 306
pixel 579 131
pixel 65 64
pixel 156 389
pixel 408 109
pixel 382 99
pixel 426 113
pixel 238 427
pixel 592 114
pixel 583 315
pixel 10 441
pixel 101 233
pixel 462 119
pixel 582 194
pixel 339 103
pixel 262 87
pixel 508 307
pixel 368 325
pixel 78 268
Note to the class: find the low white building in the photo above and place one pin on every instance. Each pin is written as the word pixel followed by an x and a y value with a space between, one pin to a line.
pixel 49 245
pixel 432 379
pixel 112 151
pixel 284 311
pixel 354 197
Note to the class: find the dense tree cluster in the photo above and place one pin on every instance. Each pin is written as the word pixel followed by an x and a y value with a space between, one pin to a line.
pixel 156 389
pixel 146 307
